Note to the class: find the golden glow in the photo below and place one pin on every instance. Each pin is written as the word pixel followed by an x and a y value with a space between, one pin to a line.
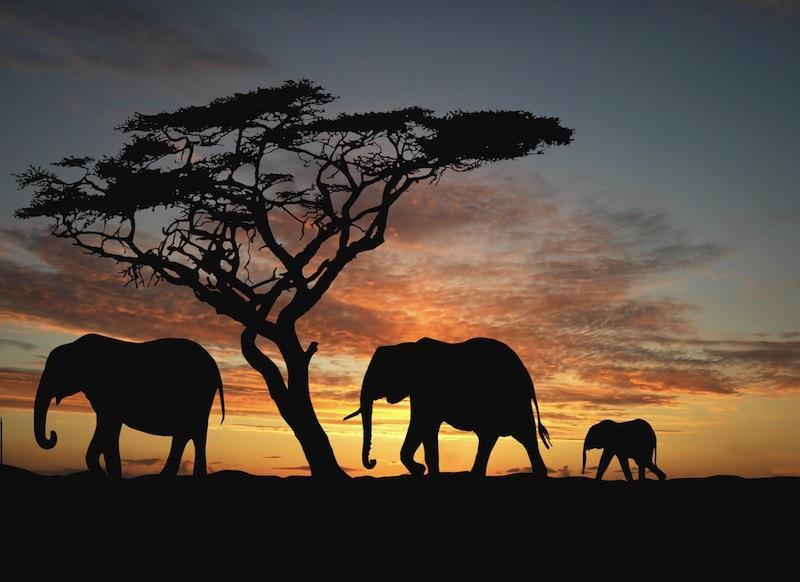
pixel 748 436
pixel 583 300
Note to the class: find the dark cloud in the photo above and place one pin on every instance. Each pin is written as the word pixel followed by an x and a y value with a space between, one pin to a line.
pixel 67 471
pixel 149 462
pixel 789 471
pixel 17 387
pixel 700 377
pixel 442 211
pixel 9 343
pixel 25 379
pixel 74 291
pixel 612 397
pixel 119 35
pixel 255 426
pixel 785 352
pixel 307 469
pixel 647 241
pixel 343 326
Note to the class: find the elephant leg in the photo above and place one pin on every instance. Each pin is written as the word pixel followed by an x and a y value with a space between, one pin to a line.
pixel 605 459
pixel 200 453
pixel 658 472
pixel 94 451
pixel 528 440
pixel 175 453
pixel 111 449
pixel 431 444
pixel 626 467
pixel 486 443
pixel 409 449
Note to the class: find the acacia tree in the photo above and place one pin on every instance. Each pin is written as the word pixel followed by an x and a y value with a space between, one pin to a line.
pixel 207 171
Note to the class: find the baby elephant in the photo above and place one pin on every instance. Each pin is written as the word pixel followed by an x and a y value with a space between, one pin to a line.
pixel 634 439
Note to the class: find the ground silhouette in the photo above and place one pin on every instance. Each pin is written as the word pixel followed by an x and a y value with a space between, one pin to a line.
pixel 479 385
pixel 634 439
pixel 699 518
pixel 164 387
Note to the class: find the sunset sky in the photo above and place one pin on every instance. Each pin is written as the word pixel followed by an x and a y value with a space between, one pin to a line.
pixel 650 269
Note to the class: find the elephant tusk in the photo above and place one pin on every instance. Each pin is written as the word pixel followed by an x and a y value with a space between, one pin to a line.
pixel 352 414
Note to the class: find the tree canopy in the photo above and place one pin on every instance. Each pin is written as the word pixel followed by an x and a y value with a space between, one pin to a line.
pixel 209 163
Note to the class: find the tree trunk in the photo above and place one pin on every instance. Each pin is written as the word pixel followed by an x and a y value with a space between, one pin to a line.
pixel 294 401
pixel 298 412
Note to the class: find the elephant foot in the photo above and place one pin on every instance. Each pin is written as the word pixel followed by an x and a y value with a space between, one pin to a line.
pixel 478 470
pixel 416 469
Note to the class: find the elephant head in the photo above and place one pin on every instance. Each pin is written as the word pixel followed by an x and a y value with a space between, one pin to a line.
pixel 387 377
pixel 598 437
pixel 58 381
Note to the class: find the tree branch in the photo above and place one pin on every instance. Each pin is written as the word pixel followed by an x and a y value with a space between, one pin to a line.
pixel 263 364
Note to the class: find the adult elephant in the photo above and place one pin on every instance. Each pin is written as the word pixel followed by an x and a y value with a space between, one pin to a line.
pixel 164 387
pixel 479 385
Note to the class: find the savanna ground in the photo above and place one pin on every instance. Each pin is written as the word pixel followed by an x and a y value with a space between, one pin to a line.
pixel 711 523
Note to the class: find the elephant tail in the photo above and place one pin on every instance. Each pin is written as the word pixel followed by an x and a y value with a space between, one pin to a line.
pixel 221 401
pixel 543 434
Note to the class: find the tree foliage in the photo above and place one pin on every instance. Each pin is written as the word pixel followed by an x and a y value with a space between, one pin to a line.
pixel 211 169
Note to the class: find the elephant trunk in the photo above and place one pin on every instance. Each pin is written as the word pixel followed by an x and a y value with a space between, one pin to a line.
pixel 43 397
pixel 366 420
pixel 585 447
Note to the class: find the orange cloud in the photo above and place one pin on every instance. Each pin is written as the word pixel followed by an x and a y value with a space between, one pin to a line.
pixel 465 259
pixel 43 280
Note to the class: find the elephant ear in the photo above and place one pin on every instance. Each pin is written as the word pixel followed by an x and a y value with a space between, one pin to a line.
pixel 379 372
pixel 399 364
pixel 378 364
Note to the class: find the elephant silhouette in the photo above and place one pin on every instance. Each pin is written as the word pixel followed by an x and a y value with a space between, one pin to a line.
pixel 479 385
pixel 163 387
pixel 634 439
